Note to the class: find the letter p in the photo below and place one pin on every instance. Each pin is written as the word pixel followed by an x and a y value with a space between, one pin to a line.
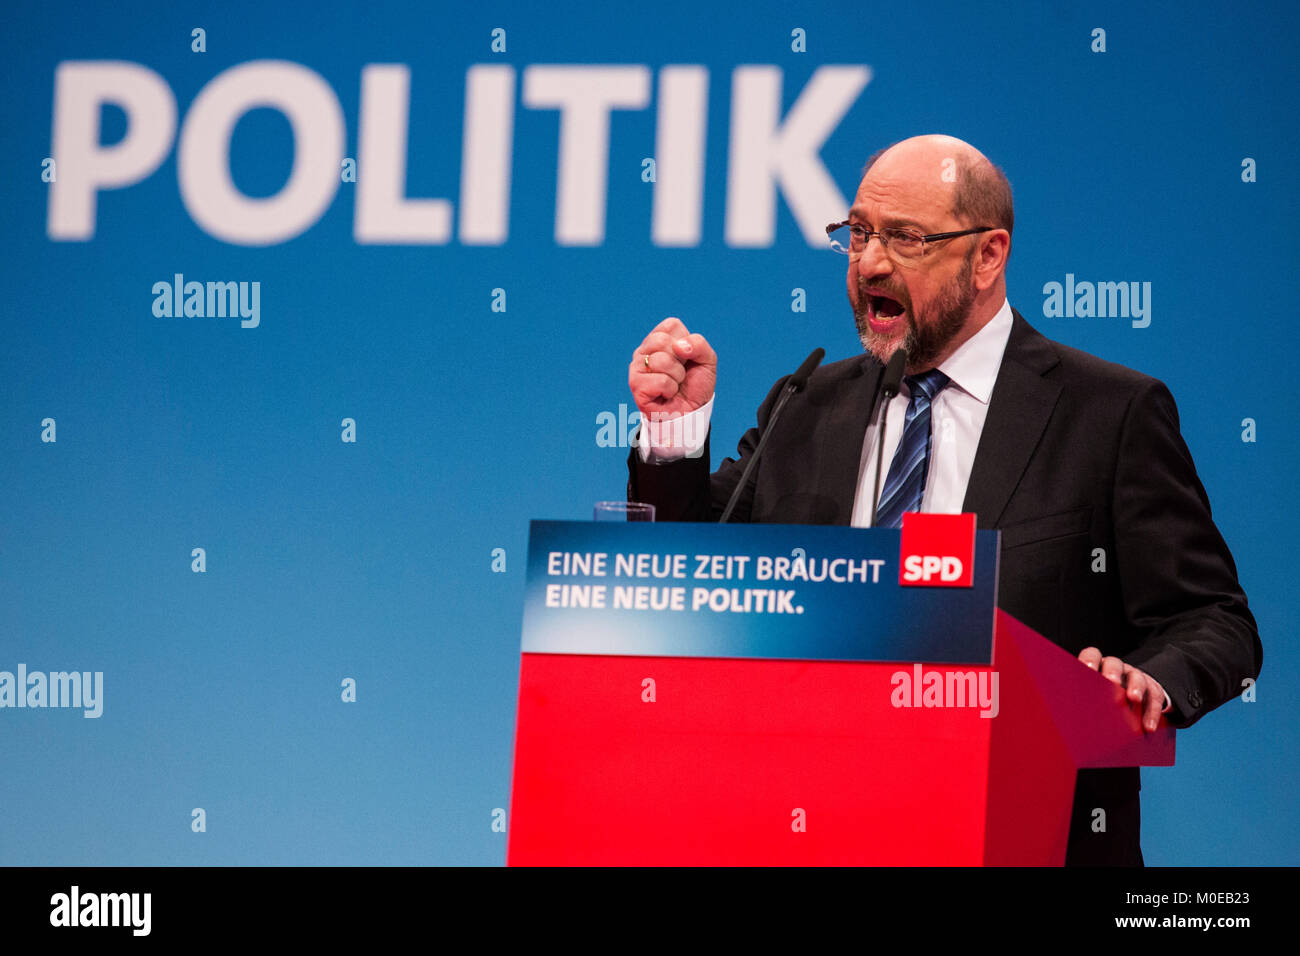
pixel 81 88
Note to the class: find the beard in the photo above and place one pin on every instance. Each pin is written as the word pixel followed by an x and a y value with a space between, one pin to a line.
pixel 929 332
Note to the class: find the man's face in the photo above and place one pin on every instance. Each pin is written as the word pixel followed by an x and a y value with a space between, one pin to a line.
pixel 921 304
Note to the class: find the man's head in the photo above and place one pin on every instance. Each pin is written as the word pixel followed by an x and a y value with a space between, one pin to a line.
pixel 929 305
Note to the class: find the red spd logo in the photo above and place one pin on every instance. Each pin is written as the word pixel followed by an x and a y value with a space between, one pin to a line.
pixel 937 551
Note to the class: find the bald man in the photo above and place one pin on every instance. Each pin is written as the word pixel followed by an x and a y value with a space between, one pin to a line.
pixel 1064 452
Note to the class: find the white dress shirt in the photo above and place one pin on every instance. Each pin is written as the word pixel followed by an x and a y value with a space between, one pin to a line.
pixel 956 420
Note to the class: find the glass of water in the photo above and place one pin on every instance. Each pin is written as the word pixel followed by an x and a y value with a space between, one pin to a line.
pixel 624 511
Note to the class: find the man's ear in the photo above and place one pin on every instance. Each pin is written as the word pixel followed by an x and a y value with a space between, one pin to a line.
pixel 991 257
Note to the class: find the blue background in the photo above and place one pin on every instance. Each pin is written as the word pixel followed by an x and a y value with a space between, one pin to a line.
pixel 373 560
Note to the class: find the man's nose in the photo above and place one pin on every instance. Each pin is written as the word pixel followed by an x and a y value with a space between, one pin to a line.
pixel 874 261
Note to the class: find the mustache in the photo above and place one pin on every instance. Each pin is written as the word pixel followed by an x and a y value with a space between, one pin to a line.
pixel 897 296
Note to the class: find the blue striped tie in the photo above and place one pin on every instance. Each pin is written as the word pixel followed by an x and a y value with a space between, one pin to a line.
pixel 905 486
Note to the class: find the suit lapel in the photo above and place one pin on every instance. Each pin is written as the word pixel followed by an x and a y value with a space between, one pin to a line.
pixel 845 430
pixel 1019 409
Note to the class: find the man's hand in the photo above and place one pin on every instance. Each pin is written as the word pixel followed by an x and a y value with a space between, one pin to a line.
pixel 672 372
pixel 1141 689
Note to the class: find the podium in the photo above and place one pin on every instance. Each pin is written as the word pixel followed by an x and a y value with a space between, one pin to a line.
pixel 781 695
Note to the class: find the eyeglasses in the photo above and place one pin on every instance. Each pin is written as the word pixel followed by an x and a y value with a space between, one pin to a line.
pixel 901 244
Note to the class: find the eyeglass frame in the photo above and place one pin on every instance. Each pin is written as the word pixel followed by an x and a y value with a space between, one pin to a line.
pixel 935 237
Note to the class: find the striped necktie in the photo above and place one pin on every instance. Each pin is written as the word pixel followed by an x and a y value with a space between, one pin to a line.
pixel 905 486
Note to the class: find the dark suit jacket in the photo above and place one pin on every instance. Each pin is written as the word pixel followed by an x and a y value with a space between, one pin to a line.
pixel 1076 454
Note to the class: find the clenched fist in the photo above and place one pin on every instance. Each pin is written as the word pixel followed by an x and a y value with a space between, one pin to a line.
pixel 672 372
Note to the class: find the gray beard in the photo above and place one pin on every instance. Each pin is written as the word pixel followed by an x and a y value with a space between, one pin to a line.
pixel 925 340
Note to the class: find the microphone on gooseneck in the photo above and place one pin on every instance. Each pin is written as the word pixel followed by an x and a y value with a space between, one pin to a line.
pixel 793 384
pixel 890 382
pixel 800 377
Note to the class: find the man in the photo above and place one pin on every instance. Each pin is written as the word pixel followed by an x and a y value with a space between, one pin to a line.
pixel 1108 546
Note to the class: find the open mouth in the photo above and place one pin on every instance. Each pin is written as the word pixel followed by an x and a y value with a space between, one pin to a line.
pixel 882 311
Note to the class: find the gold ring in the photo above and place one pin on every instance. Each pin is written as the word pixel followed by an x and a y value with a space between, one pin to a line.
pixel 646 359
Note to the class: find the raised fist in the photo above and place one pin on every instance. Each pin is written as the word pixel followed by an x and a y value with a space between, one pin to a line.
pixel 673 371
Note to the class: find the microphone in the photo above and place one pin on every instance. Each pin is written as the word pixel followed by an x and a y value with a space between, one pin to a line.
pixel 800 377
pixel 795 383
pixel 890 382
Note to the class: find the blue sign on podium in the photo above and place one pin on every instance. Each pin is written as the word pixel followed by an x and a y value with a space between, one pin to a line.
pixel 801 592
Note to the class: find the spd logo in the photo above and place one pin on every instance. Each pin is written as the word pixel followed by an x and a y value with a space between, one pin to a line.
pixel 937 550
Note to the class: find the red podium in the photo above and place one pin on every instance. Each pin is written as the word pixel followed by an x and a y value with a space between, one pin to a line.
pixel 637 760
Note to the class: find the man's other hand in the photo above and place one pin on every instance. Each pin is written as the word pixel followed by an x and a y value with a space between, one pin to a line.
pixel 1142 691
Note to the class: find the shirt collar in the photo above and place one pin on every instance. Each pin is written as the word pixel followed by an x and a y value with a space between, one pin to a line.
pixel 974 366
